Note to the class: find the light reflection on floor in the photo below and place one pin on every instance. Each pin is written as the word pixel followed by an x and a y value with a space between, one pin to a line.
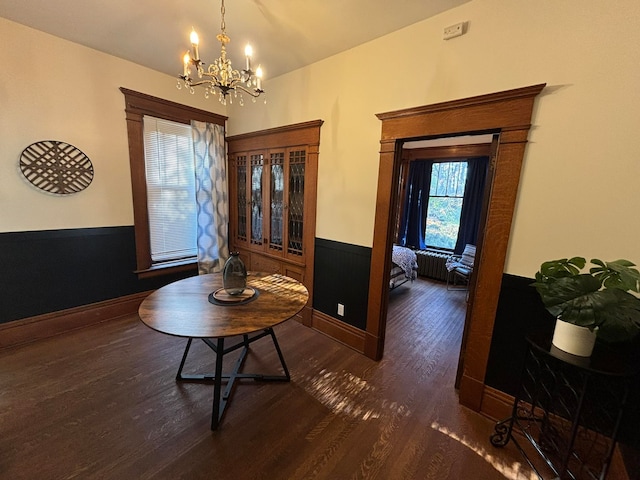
pixel 345 393
pixel 514 471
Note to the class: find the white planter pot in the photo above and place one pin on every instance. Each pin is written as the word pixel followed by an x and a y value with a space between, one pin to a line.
pixel 574 339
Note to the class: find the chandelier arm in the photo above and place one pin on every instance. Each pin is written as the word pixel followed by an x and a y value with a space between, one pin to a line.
pixel 255 93
pixel 214 82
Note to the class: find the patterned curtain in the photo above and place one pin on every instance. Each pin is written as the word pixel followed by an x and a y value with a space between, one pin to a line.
pixel 211 196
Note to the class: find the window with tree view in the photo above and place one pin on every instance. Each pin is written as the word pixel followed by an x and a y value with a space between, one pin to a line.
pixel 445 204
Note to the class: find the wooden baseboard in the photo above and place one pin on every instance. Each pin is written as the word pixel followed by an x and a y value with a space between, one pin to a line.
pixel 344 333
pixel 372 347
pixel 27 330
pixel 470 393
pixel 496 404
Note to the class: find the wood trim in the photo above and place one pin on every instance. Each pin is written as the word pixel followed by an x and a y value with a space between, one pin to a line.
pixel 139 191
pixel 36 328
pixel 342 332
pixel 309 232
pixel 137 105
pixel 496 404
pixel 480 100
pixel 470 392
pixel 140 104
pixel 454 151
pixel 305 133
pixel 505 113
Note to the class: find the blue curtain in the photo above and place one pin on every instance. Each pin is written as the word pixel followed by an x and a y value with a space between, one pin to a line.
pixel 472 203
pixel 414 217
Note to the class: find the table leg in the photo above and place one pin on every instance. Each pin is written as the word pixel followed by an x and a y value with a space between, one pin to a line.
pixel 280 356
pixel 221 399
pixel 184 358
pixel 217 412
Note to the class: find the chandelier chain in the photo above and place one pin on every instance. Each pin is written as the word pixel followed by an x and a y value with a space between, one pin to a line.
pixel 222 24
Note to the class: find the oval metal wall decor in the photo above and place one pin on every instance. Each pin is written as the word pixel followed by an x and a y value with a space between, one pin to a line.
pixel 56 167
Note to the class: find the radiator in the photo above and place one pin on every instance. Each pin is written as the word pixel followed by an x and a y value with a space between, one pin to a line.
pixel 431 264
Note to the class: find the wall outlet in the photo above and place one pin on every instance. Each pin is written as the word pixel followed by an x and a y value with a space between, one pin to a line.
pixel 454 31
pixel 341 310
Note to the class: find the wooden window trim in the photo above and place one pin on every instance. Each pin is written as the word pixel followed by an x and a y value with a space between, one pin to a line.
pixel 137 105
pixel 448 153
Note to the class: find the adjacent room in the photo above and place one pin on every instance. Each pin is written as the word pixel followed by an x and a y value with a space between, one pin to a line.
pixel 397 181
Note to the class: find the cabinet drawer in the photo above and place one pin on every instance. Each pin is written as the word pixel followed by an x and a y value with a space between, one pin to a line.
pixel 264 264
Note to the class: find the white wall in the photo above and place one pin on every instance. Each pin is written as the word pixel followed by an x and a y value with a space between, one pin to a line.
pixel 578 188
pixel 52 89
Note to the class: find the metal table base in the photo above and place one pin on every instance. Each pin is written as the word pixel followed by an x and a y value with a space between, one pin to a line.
pixel 221 400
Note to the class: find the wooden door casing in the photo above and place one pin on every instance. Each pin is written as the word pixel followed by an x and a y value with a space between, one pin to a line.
pixel 507 114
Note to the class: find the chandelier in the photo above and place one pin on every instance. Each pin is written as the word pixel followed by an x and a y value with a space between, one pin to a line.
pixel 220 78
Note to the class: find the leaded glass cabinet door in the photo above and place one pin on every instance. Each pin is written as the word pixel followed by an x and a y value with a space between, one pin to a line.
pixel 295 204
pixel 256 203
pixel 241 210
pixel 276 202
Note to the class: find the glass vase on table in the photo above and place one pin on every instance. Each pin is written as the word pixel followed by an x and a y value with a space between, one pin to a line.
pixel 234 275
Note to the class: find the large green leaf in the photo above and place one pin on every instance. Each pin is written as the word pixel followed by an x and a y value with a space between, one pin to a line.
pixel 617 274
pixel 618 315
pixel 573 291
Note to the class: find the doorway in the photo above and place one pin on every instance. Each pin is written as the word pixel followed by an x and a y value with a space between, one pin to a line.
pixel 507 114
pixel 467 148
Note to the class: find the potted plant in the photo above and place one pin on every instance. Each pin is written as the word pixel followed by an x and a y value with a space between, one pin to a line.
pixel 597 303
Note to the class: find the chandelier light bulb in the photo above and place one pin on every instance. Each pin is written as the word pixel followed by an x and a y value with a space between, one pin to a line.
pixel 195 41
pixel 194 37
pixel 187 61
pixel 248 51
pixel 259 77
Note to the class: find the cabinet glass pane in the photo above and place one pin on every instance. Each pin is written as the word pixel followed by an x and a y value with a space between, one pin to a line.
pixel 241 170
pixel 257 163
pixel 296 201
pixel 277 201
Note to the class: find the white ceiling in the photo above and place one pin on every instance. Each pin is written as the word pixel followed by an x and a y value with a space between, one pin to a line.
pixel 285 34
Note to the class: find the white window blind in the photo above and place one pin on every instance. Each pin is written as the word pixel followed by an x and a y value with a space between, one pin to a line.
pixel 171 189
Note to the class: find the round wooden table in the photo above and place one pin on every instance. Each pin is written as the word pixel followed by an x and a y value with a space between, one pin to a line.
pixel 184 309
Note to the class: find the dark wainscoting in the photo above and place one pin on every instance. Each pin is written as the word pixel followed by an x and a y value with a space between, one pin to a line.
pixel 520 313
pixel 341 275
pixel 52 270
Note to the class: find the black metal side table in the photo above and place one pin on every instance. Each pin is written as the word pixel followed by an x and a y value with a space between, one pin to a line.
pixel 569 409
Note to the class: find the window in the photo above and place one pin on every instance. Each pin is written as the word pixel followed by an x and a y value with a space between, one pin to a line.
pixel 171 189
pixel 445 204
pixel 164 220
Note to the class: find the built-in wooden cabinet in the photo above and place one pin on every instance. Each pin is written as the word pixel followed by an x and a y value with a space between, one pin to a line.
pixel 272 199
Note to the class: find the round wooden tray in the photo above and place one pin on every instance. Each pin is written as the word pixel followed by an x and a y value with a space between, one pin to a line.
pixel 221 297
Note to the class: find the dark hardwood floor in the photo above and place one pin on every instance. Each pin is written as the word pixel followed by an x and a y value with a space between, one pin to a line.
pixel 103 402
